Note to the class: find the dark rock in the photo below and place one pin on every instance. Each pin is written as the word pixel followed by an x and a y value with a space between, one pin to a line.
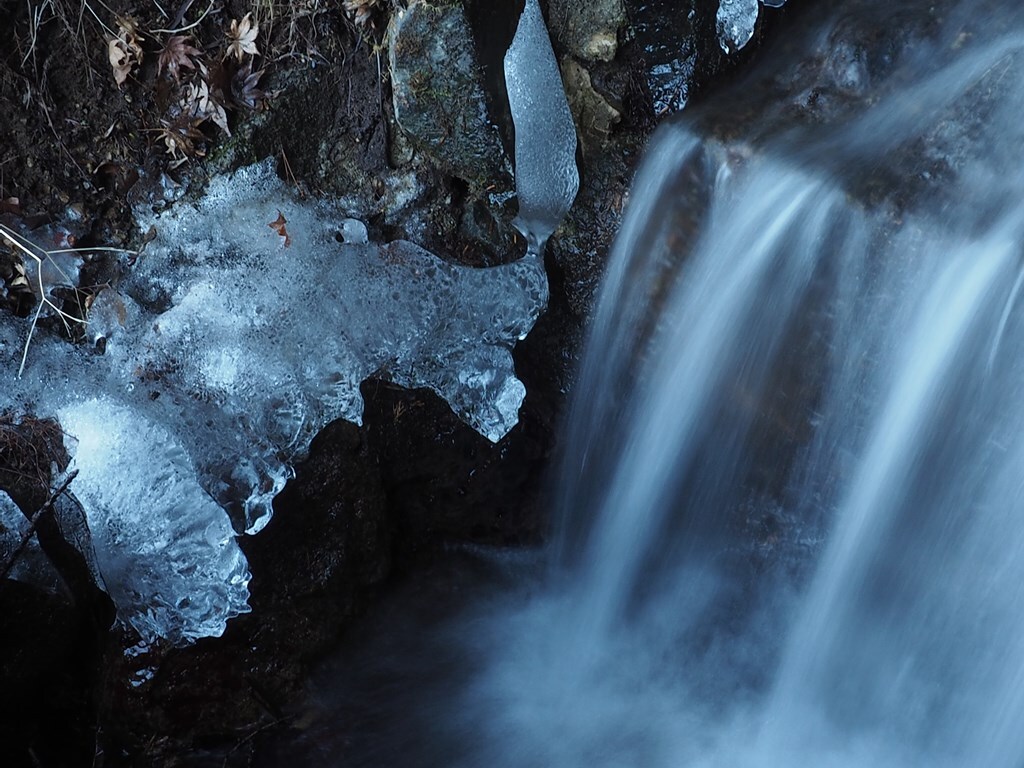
pixel 444 481
pixel 438 95
pixel 831 72
pixel 329 541
pixel 590 29
pixel 669 56
pixel 47 711
pixel 313 566
pixel 677 46
pixel 488 234
pixel 51 645
pixel 329 127
pixel 595 118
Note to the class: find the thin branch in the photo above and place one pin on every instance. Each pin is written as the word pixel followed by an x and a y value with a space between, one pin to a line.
pixel 99 21
pixel 187 27
pixel 92 249
pixel 30 249
pixel 5 568
pixel 28 340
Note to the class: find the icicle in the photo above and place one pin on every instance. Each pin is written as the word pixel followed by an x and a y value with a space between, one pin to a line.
pixel 546 176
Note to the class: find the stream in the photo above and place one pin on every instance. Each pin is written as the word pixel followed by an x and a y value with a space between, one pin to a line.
pixel 788 517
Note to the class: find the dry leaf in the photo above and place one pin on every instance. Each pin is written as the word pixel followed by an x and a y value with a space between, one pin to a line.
pixel 17 295
pixel 180 138
pixel 244 87
pixel 120 58
pixel 278 226
pixel 198 102
pixel 361 11
pixel 124 51
pixel 177 55
pixel 242 37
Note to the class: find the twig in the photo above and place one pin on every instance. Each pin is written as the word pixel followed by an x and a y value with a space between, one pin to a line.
pixel 92 249
pixel 29 248
pixel 5 568
pixel 99 21
pixel 180 16
pixel 291 176
pixel 265 727
pixel 35 21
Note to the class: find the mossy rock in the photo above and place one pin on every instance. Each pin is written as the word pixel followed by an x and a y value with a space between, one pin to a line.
pixel 438 94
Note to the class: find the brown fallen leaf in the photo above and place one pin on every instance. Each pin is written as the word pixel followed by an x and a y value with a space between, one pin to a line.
pixel 182 138
pixel 278 226
pixel 245 90
pixel 124 51
pixel 242 37
pixel 120 59
pixel 19 296
pixel 201 104
pixel 361 11
pixel 176 55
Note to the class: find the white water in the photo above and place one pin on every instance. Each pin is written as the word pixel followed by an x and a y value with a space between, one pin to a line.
pixel 791 515
pixel 901 646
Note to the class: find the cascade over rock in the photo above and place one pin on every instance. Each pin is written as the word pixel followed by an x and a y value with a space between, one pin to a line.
pixel 789 516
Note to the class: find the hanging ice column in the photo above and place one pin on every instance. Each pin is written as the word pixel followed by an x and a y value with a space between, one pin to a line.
pixel 546 176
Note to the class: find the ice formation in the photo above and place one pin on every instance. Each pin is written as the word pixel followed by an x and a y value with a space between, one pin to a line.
pixel 282 329
pixel 246 325
pixel 735 23
pixel 166 550
pixel 546 175
pixel 736 20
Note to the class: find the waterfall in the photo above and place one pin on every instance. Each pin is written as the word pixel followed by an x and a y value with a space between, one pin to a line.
pixel 791 514
pixel 789 522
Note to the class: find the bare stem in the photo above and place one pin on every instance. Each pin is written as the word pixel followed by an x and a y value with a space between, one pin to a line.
pixel 5 567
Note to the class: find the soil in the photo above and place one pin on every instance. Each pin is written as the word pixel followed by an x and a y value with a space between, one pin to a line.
pixel 71 136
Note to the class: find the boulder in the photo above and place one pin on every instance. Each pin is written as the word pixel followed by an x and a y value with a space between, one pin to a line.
pixel 589 29
pixel 438 95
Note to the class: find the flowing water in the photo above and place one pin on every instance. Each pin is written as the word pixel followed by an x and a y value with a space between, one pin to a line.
pixel 790 526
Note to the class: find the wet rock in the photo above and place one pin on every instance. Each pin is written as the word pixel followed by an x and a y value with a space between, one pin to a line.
pixel 583 242
pixel 314 564
pixel 669 56
pixel 488 235
pixel 595 117
pixel 47 711
pixel 444 481
pixel 50 644
pixel 613 130
pixel 677 47
pixel 852 56
pixel 438 94
pixel 589 29
pixel 338 496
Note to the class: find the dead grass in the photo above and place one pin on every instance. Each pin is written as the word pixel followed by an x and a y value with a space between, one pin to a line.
pixel 31 448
